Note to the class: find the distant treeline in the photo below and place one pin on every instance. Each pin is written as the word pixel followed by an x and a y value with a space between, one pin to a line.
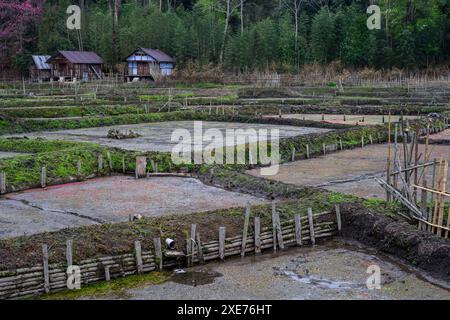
pixel 247 35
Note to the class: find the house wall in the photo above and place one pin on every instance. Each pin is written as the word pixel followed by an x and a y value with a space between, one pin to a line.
pixel 81 71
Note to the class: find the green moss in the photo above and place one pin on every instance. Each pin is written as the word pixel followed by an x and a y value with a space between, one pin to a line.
pixel 115 287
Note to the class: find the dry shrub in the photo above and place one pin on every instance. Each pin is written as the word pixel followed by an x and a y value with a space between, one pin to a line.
pixel 197 72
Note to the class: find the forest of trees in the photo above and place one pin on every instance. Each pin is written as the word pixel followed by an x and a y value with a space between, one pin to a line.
pixel 238 35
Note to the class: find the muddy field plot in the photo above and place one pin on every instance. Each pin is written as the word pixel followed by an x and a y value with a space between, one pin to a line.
pixel 349 171
pixel 110 199
pixel 363 120
pixel 334 270
pixel 157 136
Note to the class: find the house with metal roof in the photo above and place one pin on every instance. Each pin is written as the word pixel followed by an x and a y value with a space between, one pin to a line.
pixel 75 65
pixel 40 70
pixel 148 64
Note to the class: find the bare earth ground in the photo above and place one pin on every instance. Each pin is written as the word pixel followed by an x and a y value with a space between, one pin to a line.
pixel 349 119
pixel 157 136
pixel 349 171
pixel 441 136
pixel 333 270
pixel 110 199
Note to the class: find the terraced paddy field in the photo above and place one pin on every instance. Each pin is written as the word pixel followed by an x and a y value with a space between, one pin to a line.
pixel 158 136
pixel 110 199
pixel 349 171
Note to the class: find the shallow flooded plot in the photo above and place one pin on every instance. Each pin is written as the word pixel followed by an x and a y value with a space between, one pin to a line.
pixel 348 171
pixel 334 270
pixel 110 199
pixel 357 119
pixel 157 136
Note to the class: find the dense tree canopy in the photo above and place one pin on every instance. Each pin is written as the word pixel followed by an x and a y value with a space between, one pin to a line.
pixel 240 35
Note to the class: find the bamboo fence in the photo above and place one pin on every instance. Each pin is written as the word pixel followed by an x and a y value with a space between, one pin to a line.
pixel 45 278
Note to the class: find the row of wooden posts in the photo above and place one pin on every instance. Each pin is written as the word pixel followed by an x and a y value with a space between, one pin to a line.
pixel 50 277
pixel 44 171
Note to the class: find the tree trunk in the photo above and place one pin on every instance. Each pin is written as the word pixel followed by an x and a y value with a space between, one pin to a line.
pixel 225 31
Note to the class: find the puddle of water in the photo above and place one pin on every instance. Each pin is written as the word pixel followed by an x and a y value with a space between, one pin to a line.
pixel 319 282
pixel 195 278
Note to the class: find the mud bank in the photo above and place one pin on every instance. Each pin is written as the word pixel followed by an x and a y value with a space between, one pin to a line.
pixel 421 249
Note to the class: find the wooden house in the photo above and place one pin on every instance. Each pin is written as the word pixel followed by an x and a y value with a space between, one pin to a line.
pixel 40 70
pixel 145 63
pixel 76 65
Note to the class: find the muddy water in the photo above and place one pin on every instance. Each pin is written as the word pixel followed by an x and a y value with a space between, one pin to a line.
pixel 4 155
pixel 334 270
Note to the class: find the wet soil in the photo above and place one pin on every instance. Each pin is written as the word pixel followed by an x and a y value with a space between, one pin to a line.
pixel 336 269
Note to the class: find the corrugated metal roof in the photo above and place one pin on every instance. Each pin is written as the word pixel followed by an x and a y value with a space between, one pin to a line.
pixel 41 62
pixel 81 57
pixel 158 55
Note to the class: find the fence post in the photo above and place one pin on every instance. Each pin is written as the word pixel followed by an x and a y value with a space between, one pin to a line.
pixel 45 268
pixel 257 235
pixel 2 182
pixel 138 253
pixel 69 257
pixel 274 227
pixel 298 229
pixel 79 167
pixel 338 218
pixel 43 177
pixel 293 154
pixel 107 274
pixel 324 149
pixel 192 241
pixel 100 162
pixel 108 154
pixel 158 252
pixel 307 151
pixel 244 232
pixel 200 249
pixel 222 243
pixel 311 226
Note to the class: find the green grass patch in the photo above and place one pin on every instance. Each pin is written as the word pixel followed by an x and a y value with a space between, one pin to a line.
pixel 116 287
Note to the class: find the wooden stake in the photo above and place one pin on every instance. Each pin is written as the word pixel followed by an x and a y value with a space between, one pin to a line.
pixel 442 205
pixel 2 182
pixel 69 256
pixel 311 226
pixel 100 163
pixel 257 222
pixel 45 268
pixel 158 252
pixel 338 217
pixel 192 241
pixel 138 254
pixel 293 154
pixel 201 259
pixel 222 243
pixel 307 151
pixel 274 227
pixel 298 229
pixel 79 167
pixel 43 177
pixel 245 230
pixel 107 273
pixel 436 197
